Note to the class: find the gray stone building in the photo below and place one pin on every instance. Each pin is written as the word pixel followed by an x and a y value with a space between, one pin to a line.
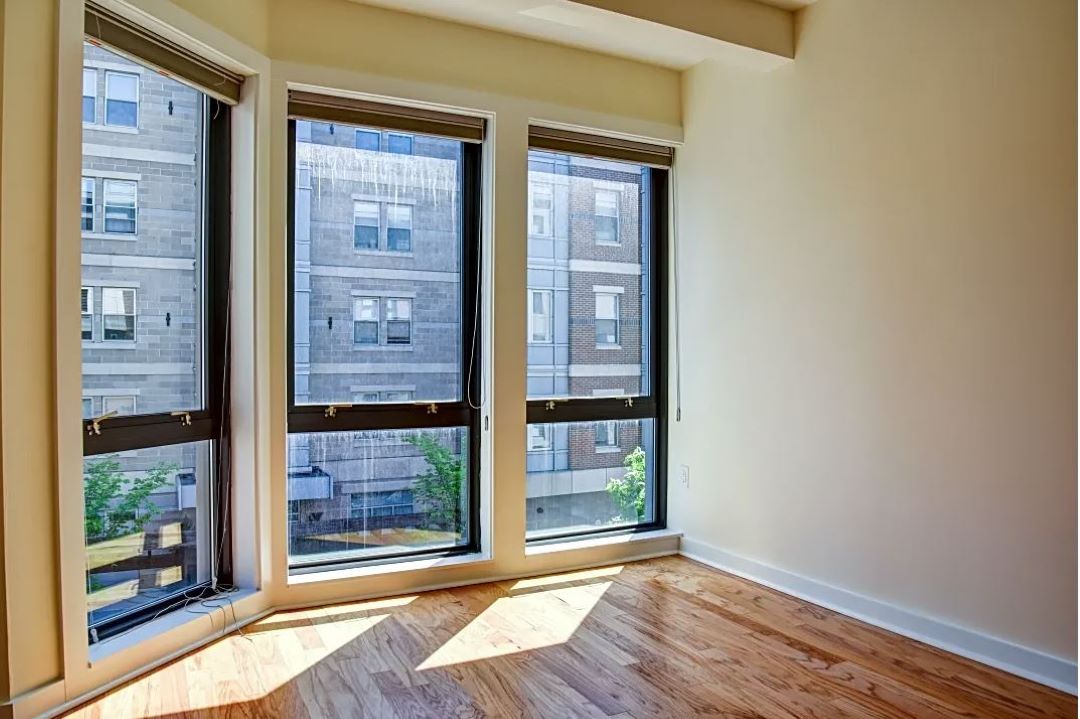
pixel 141 311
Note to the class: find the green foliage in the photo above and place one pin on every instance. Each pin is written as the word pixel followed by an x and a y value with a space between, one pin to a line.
pixel 439 487
pixel 628 491
pixel 104 484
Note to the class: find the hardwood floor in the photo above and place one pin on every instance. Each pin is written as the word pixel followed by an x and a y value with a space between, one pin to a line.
pixel 661 638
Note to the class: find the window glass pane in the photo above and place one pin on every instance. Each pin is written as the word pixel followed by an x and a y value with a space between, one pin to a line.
pixel 399 228
pixel 400 144
pixel 88 407
pixel 120 405
pixel 87 205
pixel 418 197
pixel 367 140
pixel 606 221
pixel 366 321
pixel 121 99
pixel 120 206
pixel 372 493
pixel 366 225
pixel 588 245
pixel 86 308
pixel 89 95
pixel 146 526
pixel 145 319
pixel 584 476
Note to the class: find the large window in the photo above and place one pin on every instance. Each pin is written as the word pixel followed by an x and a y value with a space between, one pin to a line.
pixel 121 200
pixel 121 99
pixel 153 328
pixel 384 372
pixel 596 404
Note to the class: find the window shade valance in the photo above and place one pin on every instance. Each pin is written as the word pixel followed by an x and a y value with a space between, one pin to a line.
pixel 117 33
pixel 328 108
pixel 612 148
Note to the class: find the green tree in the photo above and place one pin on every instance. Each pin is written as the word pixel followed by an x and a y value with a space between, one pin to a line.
pixel 439 487
pixel 115 506
pixel 628 491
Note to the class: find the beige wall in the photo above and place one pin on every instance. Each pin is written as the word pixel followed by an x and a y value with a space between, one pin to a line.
pixel 346 35
pixel 879 298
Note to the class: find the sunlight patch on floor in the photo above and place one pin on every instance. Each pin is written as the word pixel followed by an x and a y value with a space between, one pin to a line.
pixel 535 619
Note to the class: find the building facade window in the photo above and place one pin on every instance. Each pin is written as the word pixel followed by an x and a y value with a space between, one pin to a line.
pixel 399 220
pixel 153 323
pixel 406 420
pixel 595 396
pixel 366 320
pixel 607 318
pixel 606 217
pixel 87 308
pixel 366 225
pixel 121 99
pixel 87 204
pixel 540 317
pixel 367 140
pixel 118 313
pixel 399 144
pixel 121 207
pixel 398 321
pixel 541 209
pixel 89 95
pixel 121 405
pixel 539 437
pixel 607 435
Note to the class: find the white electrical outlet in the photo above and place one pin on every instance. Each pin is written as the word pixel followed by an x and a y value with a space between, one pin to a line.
pixel 684 474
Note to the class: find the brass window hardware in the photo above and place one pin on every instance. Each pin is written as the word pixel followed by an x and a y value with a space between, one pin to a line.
pixel 550 404
pixel 432 407
pixel 185 418
pixel 331 409
pixel 629 401
pixel 93 427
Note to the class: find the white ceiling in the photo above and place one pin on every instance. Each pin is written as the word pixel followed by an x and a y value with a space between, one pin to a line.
pixel 578 25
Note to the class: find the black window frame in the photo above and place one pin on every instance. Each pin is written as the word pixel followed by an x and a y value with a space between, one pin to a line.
pixel 652 405
pixel 346 417
pixel 211 422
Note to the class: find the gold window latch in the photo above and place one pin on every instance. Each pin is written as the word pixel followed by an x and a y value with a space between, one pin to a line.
pixel 93 427
pixel 432 408
pixel 550 404
pixel 629 401
pixel 331 409
pixel 185 418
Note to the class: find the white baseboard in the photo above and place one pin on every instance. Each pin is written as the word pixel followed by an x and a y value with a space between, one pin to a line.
pixel 1022 661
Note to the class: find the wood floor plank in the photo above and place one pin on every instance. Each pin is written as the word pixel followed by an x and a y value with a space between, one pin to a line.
pixel 661 638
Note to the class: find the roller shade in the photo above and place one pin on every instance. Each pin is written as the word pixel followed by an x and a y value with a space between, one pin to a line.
pixel 575 143
pixel 106 28
pixel 327 108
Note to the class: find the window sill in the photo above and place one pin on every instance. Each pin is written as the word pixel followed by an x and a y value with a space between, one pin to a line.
pixel 110 128
pixel 407 565
pixel 599 541
pixel 608 450
pixel 608 244
pixel 608 347
pixel 384 348
pixel 122 237
pixel 165 623
pixel 109 345
pixel 384 253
